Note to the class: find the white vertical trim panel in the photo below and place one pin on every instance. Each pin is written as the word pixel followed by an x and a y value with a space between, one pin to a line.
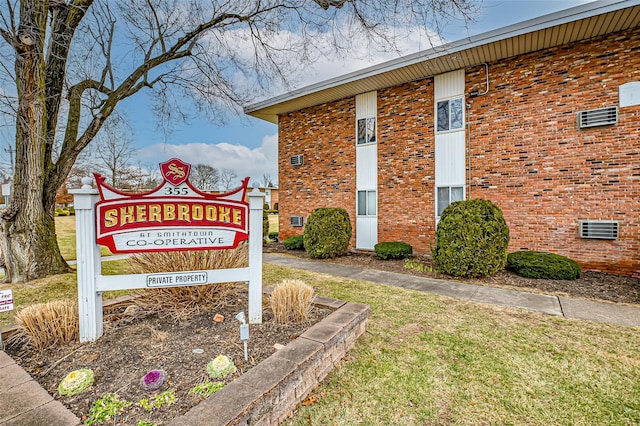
pixel 449 85
pixel 450 159
pixel 367 166
pixel 367 105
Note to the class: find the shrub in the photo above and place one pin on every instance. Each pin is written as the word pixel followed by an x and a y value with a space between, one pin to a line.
pixel 181 301
pixel 536 264
pixel 273 236
pixel 291 301
pixel 49 324
pixel 471 239
pixel 327 233
pixel 294 243
pixel 393 250
pixel 72 211
pixel 265 224
pixel 275 206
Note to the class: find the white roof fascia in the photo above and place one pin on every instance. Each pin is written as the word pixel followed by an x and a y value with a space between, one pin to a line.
pixel 577 13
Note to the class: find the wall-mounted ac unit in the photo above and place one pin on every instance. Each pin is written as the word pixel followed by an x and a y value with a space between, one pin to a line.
pixel 598 117
pixel 296 220
pixel 599 229
pixel 297 160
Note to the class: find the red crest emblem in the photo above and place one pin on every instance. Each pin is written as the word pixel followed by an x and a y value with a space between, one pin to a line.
pixel 175 171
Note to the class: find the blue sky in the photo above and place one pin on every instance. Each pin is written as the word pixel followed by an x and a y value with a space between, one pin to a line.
pixel 248 145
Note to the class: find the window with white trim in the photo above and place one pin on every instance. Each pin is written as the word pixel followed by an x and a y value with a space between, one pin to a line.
pixel 366 130
pixel 447 195
pixel 366 203
pixel 449 115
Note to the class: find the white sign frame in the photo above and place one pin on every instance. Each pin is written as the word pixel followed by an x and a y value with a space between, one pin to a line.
pixel 91 282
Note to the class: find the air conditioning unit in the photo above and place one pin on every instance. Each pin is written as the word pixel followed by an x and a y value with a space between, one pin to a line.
pixel 297 160
pixel 599 229
pixel 598 117
pixel 296 220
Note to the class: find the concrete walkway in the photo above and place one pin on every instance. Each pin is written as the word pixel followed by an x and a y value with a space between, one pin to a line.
pixel 24 402
pixel 567 307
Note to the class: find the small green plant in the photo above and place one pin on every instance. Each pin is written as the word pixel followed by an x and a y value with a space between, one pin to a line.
pixel 393 250
pixel 536 264
pixel 294 243
pixel 105 408
pixel 167 398
pixel 221 366
pixel 145 423
pixel 327 233
pixel 273 236
pixel 206 389
pixel 76 382
pixel 417 265
pixel 471 239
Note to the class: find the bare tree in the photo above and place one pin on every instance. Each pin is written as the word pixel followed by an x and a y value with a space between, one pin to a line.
pixel 228 179
pixel 114 148
pixel 204 177
pixel 266 180
pixel 74 61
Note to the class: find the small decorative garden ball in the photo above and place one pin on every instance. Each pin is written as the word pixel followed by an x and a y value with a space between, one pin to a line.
pixel 220 367
pixel 153 380
pixel 76 382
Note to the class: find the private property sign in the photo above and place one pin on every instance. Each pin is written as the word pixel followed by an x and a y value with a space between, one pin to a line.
pixel 6 301
pixel 173 216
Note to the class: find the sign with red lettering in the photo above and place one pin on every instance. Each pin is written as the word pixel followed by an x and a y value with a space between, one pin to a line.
pixel 173 216
pixel 6 301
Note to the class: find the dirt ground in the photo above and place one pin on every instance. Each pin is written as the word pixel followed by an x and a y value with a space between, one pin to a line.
pixel 134 343
pixel 591 285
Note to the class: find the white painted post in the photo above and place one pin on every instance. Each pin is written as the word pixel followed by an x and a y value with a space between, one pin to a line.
pixel 256 206
pixel 88 258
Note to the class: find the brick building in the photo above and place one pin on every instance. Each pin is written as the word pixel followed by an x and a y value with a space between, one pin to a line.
pixel 541 117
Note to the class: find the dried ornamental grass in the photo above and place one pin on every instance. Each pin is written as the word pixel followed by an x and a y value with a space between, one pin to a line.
pixel 184 300
pixel 49 324
pixel 291 301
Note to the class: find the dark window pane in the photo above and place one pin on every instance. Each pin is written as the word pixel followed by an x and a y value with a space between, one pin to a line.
pixel 443 199
pixel 456 113
pixel 371 129
pixel 443 116
pixel 362 131
pixel 362 203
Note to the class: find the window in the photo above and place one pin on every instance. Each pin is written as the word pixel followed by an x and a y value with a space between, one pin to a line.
pixel 447 195
pixel 366 130
pixel 366 203
pixel 449 115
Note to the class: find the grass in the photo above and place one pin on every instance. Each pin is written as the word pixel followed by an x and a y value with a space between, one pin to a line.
pixel 427 359
pixel 66 233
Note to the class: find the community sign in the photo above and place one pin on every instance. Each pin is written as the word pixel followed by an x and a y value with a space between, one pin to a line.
pixel 173 216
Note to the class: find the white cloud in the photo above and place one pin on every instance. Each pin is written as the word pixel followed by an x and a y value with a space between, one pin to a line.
pixel 243 160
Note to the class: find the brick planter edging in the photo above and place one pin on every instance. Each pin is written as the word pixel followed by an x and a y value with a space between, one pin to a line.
pixel 270 391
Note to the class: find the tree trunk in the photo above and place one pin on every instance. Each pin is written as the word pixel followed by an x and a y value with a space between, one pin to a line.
pixel 29 241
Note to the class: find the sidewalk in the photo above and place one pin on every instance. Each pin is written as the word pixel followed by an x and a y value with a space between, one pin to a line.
pixel 24 402
pixel 567 307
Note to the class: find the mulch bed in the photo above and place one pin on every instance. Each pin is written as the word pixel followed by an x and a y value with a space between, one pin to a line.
pixel 591 284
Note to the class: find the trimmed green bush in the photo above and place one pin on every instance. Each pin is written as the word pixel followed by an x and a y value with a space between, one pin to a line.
pixel 275 206
pixel 273 236
pixel 393 250
pixel 471 239
pixel 537 264
pixel 294 243
pixel 327 233
pixel 265 224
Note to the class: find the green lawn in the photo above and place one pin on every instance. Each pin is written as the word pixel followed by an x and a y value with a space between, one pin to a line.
pixel 428 360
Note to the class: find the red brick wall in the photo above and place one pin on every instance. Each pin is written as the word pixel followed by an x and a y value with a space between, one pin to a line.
pixel 527 154
pixel 325 135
